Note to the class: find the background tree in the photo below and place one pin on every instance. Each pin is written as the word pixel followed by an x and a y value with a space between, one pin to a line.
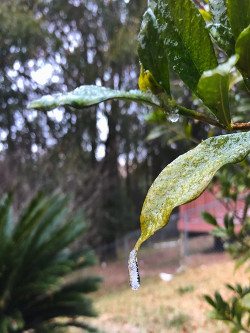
pixel 163 43
pixel 75 43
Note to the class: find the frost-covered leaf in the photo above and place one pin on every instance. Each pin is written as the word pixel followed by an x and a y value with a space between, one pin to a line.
pixel 239 15
pixel 85 96
pixel 213 89
pixel 242 48
pixel 151 50
pixel 185 179
pixel 220 28
pixel 182 31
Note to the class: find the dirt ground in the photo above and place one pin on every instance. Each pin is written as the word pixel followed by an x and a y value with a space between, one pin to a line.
pixel 158 306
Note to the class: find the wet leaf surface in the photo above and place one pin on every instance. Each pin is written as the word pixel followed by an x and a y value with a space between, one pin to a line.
pixel 213 89
pixel 184 180
pixel 239 15
pixel 182 31
pixel 242 48
pixel 220 28
pixel 86 96
pixel 151 50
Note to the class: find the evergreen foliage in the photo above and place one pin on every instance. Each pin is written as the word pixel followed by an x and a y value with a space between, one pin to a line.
pixel 36 267
pixel 233 186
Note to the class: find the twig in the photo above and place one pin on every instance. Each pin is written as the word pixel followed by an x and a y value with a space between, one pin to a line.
pixel 240 126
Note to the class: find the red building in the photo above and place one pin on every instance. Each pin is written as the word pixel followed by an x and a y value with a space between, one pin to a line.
pixel 190 213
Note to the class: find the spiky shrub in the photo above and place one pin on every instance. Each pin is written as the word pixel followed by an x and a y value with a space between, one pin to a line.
pixel 36 266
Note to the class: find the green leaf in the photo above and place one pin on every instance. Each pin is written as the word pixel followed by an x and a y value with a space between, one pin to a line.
pixel 183 33
pixel 84 285
pixel 235 330
pixel 34 266
pixel 226 218
pixel 6 223
pixel 4 325
pixel 245 301
pixel 230 228
pixel 242 48
pixel 242 260
pixel 229 286
pixel 239 288
pixel 206 15
pixel 74 323
pixel 214 314
pixel 209 218
pixel 219 232
pixel 152 52
pixel 85 96
pixel 213 89
pixel 239 15
pixel 220 29
pixel 247 82
pixel 148 83
pixel 219 300
pixel 158 117
pixel 187 177
pixel 210 300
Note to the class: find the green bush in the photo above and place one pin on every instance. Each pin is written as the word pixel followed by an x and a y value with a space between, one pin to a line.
pixel 36 286
pixel 233 186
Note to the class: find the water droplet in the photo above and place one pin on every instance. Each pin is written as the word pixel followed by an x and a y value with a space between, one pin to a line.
pixel 173 118
pixel 134 277
pixel 174 115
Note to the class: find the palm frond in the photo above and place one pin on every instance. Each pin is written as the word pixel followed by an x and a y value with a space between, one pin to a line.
pixel 35 263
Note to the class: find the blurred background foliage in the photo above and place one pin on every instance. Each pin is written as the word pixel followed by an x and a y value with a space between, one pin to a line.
pixel 234 236
pixel 100 155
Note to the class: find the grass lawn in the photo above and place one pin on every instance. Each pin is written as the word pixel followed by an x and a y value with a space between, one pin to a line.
pixel 158 306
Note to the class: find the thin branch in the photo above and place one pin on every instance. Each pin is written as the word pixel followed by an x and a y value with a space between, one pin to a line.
pixel 240 126
pixel 199 116
pixel 202 117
